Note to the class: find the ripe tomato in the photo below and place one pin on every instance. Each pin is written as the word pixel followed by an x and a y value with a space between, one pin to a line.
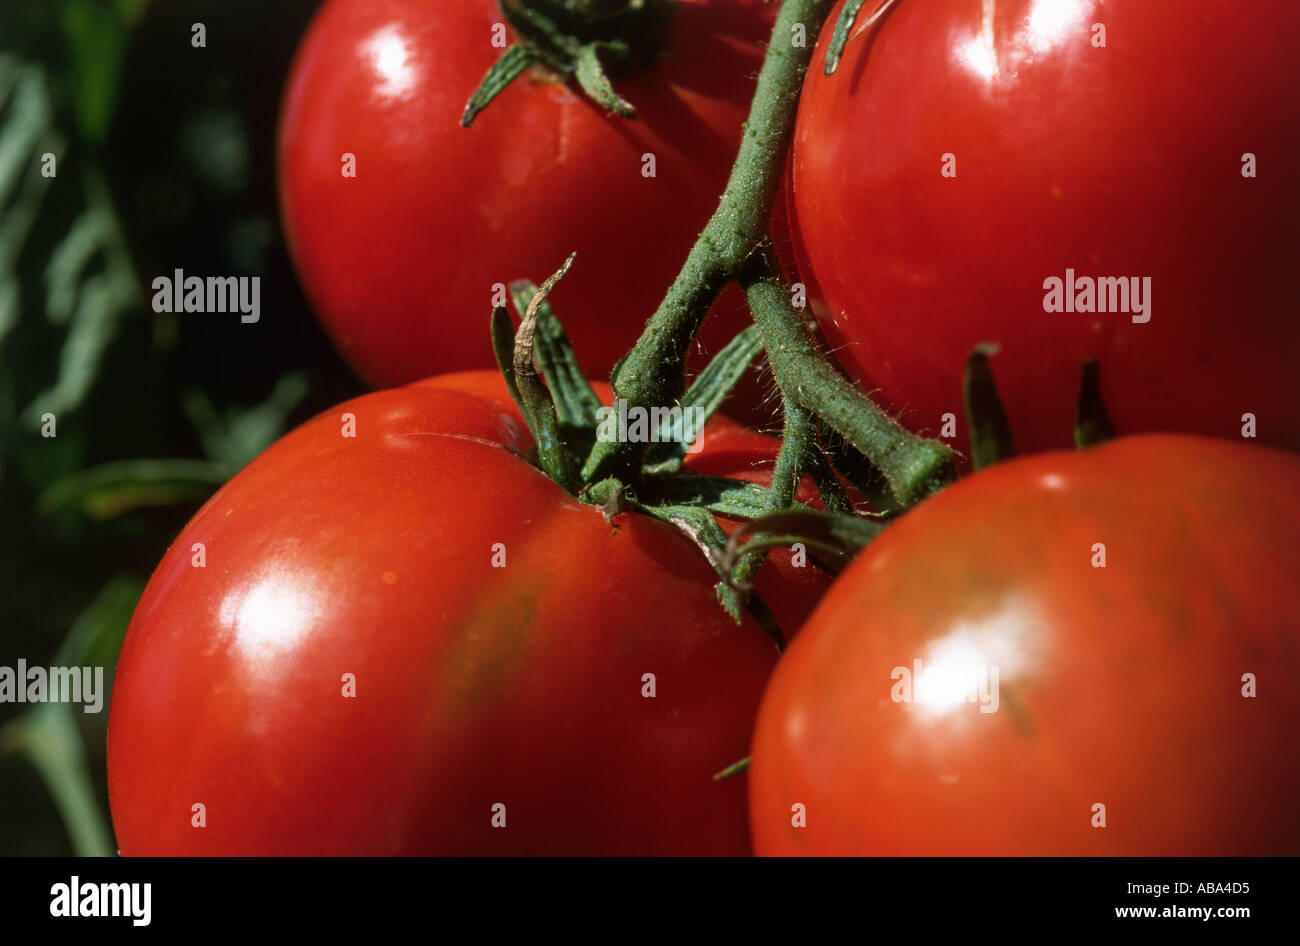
pixel 475 685
pixel 400 261
pixel 1119 161
pixel 1119 685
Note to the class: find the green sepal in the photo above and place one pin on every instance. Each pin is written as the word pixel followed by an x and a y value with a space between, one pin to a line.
pixel 843 26
pixel 575 402
pixel 839 535
pixel 739 767
pixel 601 492
pixel 990 431
pixel 1092 424
pixel 536 27
pixel 512 64
pixel 720 494
pixel 535 398
pixel 591 75
pixel 503 347
pixel 699 526
pixel 575 40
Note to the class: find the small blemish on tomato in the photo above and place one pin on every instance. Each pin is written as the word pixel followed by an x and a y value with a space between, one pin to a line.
pixel 389 578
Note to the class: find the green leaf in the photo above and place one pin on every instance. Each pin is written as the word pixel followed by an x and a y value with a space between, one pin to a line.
pixel 97 633
pixel 25 135
pixel 111 489
pixel 50 737
pixel 130 11
pixel 69 260
pixel 233 441
pixel 97 303
pixel 96 36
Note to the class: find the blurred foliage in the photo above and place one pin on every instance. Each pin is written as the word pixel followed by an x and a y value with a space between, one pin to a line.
pixel 164 158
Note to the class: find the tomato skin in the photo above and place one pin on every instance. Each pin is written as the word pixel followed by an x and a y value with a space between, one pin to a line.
pixel 475 685
pixel 1119 685
pixel 1115 161
pixel 400 261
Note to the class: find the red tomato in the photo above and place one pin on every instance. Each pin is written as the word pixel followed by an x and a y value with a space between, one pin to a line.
pixel 332 559
pixel 1118 161
pixel 1120 686
pixel 400 261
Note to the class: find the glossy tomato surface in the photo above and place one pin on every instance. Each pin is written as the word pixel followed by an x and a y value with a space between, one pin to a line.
pixel 400 261
pixel 1123 685
pixel 1122 160
pixel 497 634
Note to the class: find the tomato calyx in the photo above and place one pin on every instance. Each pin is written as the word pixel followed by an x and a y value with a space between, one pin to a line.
pixel 990 430
pixel 586 39
pixel 847 19
pixel 689 504
pixel 821 406
pixel 566 417
pixel 568 420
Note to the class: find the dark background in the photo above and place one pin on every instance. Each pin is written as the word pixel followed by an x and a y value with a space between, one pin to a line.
pixel 166 160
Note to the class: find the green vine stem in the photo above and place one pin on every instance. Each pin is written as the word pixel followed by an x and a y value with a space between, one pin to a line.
pixel 798 443
pixel 824 412
pixel 913 466
pixel 653 372
pixel 730 248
